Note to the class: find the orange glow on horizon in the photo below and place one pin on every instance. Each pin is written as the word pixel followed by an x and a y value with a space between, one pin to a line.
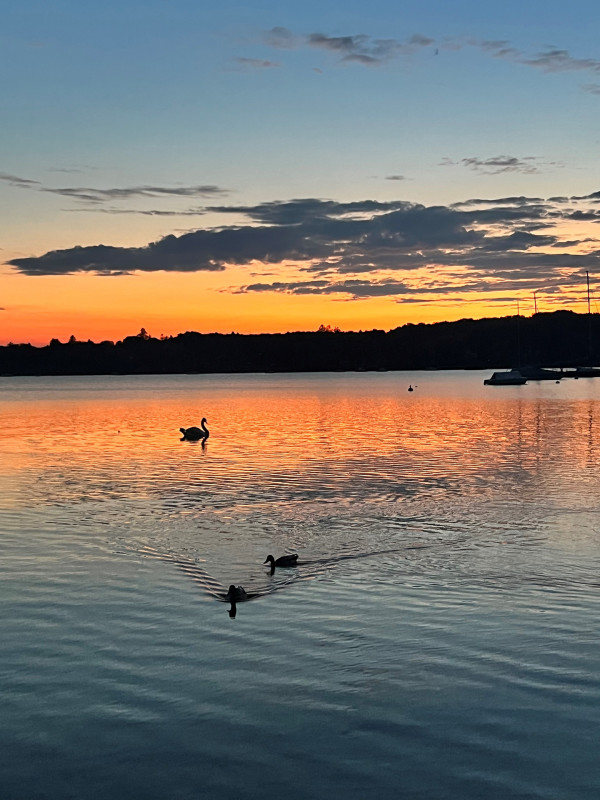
pixel 38 309
pixel 38 327
pixel 91 307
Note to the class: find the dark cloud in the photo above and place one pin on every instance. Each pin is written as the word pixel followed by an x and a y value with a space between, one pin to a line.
pixel 361 49
pixel 192 252
pixel 592 88
pixel 355 288
pixel 592 215
pixel 499 201
pixel 592 196
pixel 517 241
pixel 531 216
pixel 304 287
pixel 572 242
pixel 300 230
pixel 362 289
pixel 395 178
pixel 294 212
pixel 365 49
pixel 352 250
pixel 343 44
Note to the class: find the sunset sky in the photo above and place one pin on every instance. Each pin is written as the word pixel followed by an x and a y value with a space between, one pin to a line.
pixel 178 165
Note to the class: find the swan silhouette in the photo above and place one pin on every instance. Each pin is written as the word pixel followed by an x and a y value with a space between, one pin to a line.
pixel 193 434
pixel 282 561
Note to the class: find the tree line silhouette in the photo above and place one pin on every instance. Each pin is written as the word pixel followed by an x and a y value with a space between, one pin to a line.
pixel 561 338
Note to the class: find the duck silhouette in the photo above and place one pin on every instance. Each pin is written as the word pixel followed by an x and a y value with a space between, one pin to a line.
pixel 194 434
pixel 235 594
pixel 282 561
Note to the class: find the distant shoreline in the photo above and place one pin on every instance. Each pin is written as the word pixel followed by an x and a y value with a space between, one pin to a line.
pixel 559 339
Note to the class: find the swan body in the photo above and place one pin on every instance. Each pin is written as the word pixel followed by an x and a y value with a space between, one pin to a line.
pixel 282 561
pixel 194 433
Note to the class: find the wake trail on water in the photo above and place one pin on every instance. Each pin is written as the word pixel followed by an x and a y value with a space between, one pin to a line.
pixel 308 569
pixel 192 569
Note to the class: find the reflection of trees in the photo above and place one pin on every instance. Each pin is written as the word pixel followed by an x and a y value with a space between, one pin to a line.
pixel 557 339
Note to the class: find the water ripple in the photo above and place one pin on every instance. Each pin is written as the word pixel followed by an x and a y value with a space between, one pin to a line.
pixel 438 638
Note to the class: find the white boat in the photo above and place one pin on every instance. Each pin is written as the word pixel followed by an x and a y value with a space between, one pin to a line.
pixel 511 377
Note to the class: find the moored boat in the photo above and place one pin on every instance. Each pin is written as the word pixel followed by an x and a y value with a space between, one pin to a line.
pixel 582 372
pixel 541 374
pixel 512 377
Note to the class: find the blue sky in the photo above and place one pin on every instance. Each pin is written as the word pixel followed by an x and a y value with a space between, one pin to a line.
pixel 127 122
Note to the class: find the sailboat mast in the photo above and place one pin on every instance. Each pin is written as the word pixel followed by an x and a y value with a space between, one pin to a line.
pixel 518 335
pixel 587 278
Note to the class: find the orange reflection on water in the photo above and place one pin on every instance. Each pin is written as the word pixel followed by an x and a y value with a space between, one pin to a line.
pixel 119 436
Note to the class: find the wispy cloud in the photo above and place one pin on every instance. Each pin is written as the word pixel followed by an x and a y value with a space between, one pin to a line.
pixel 550 59
pixel 359 48
pixel 509 201
pixel 362 48
pixel 395 178
pixel 72 170
pixel 21 183
pixel 495 165
pixel 252 64
pixel 148 212
pixel 93 197
pixel 282 38
pixel 364 289
pixel 592 88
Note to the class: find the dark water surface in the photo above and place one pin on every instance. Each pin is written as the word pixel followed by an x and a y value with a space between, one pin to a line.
pixel 440 637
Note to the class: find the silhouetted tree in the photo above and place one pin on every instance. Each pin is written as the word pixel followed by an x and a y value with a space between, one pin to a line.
pixel 547 339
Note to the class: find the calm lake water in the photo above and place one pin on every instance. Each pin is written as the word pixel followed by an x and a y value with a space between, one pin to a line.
pixel 440 637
